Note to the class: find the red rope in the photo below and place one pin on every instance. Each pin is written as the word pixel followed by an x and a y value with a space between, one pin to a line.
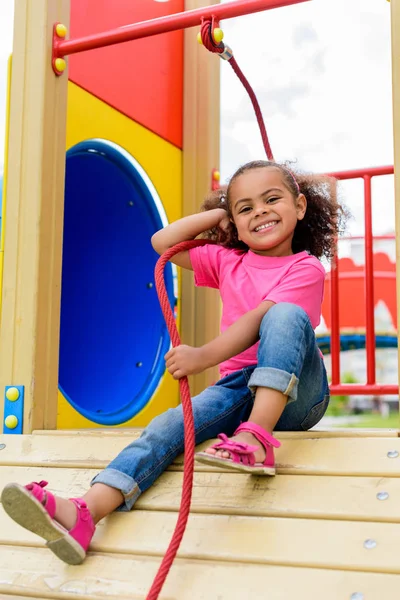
pixel 189 431
pixel 207 27
pixel 206 30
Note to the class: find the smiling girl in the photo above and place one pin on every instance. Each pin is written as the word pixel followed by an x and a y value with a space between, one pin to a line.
pixel 269 228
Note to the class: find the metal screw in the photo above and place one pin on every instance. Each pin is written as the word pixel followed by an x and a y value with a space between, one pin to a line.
pixel 2 446
pixel 130 203
pixel 150 285
pixel 139 364
pixel 370 544
pixel 392 454
pixel 357 596
pixel 382 495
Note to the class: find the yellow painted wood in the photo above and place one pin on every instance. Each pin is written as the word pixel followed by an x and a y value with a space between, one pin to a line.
pixel 324 456
pixel 29 334
pixel 233 494
pixel 35 572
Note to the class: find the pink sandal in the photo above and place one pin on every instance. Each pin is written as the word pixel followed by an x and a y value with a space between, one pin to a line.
pixel 242 455
pixel 34 508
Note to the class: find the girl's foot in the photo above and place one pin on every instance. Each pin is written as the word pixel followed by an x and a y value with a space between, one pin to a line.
pixel 250 450
pixel 245 438
pixel 66 525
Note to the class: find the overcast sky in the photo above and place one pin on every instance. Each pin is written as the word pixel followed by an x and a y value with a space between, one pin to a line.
pixel 322 74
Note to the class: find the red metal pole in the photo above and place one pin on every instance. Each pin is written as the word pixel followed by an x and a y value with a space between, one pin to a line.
pixel 369 283
pixel 182 20
pixel 371 171
pixel 354 389
pixel 335 330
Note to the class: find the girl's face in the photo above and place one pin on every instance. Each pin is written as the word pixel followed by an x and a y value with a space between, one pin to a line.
pixel 265 212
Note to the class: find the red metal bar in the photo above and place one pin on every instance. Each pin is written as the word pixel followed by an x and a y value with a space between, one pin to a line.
pixel 371 387
pixel 335 332
pixel 369 283
pixel 356 173
pixel 387 236
pixel 190 18
pixel 361 275
pixel 354 389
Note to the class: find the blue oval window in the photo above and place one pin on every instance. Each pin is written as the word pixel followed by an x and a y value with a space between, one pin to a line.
pixel 113 336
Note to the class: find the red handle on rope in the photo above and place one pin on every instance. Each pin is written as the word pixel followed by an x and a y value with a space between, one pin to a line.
pixel 189 431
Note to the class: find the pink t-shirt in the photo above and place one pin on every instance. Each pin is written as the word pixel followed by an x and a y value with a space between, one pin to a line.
pixel 246 279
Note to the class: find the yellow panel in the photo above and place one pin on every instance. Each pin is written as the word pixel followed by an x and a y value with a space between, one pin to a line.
pixel 35 572
pixel 89 117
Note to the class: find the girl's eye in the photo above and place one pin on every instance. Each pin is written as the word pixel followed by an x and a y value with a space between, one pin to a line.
pixel 245 209
pixel 272 199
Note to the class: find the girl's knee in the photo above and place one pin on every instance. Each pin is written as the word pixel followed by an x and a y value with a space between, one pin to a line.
pixel 284 315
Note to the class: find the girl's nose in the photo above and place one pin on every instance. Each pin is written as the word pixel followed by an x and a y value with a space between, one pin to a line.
pixel 261 209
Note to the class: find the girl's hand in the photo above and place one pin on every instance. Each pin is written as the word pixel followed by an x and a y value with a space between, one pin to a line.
pixel 185 360
pixel 224 221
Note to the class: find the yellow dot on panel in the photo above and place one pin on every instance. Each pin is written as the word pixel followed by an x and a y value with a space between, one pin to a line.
pixel 12 394
pixel 11 421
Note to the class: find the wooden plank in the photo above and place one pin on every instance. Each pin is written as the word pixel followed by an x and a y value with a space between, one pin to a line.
pixel 37 573
pixel 291 542
pixel 199 307
pixel 30 320
pixel 332 432
pixel 220 493
pixel 322 456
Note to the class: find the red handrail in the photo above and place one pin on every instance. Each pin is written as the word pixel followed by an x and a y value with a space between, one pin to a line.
pixel 182 20
pixel 371 387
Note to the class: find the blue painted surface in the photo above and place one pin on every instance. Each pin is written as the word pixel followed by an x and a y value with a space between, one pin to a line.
pixel 355 341
pixel 113 334
pixel 15 408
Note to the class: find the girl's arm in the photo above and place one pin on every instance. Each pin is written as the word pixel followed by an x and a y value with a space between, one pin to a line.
pixel 187 228
pixel 186 360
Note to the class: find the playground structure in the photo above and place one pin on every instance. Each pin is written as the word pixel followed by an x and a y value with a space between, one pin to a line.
pixel 337 542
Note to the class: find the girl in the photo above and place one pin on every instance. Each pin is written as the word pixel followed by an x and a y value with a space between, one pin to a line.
pixel 270 227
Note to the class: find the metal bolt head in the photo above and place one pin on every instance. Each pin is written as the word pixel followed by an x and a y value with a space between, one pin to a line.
pixel 370 544
pixel 382 495
pixel 357 596
pixel 150 285
pixel 139 364
pixel 2 446
pixel 393 454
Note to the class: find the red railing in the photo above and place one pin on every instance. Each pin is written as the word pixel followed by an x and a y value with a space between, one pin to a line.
pixel 371 387
pixel 189 18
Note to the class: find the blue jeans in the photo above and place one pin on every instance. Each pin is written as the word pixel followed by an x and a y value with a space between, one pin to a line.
pixel 288 361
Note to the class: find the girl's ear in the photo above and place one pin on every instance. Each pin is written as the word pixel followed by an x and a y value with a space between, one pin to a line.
pixel 301 206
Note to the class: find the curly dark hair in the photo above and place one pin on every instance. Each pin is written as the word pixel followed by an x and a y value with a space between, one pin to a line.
pixel 323 221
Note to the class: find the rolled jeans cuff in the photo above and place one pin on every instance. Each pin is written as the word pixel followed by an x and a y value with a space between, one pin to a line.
pixel 268 377
pixel 122 482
